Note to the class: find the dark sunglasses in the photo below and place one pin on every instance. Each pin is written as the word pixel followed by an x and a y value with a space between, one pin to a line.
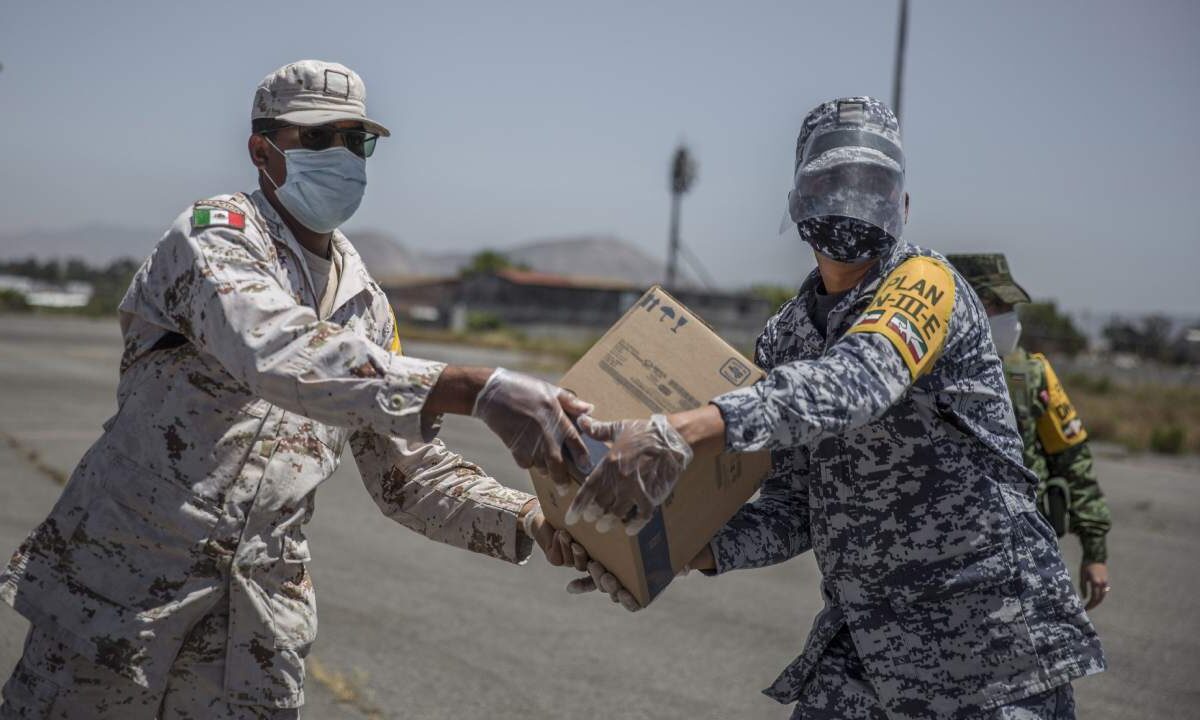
pixel 320 137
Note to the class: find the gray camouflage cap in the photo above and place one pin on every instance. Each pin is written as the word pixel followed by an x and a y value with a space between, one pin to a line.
pixel 849 111
pixel 988 273
pixel 847 197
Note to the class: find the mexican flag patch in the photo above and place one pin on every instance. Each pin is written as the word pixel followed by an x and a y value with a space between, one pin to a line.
pixel 212 216
pixel 911 336
pixel 870 317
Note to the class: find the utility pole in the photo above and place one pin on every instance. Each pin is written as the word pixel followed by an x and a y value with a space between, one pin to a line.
pixel 901 46
pixel 683 175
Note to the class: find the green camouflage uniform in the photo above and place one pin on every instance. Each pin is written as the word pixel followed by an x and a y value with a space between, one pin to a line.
pixel 1056 447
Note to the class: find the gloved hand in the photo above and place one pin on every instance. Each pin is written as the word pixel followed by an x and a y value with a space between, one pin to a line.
pixel 638 473
pixel 557 545
pixel 561 549
pixel 599 578
pixel 533 418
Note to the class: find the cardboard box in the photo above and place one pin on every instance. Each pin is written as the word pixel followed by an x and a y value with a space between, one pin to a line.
pixel 661 358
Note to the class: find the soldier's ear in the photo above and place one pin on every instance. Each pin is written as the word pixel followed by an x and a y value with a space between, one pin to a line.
pixel 257 147
pixel 906 208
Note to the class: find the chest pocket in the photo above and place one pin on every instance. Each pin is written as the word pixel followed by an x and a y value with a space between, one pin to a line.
pixel 973 571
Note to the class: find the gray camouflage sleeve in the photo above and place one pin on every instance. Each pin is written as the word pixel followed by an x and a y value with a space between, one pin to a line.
pixel 214 286
pixel 803 401
pixel 429 489
pixel 774 527
pixel 916 313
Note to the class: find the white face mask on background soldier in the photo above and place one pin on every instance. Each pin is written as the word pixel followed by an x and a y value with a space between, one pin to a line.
pixel 1006 331
pixel 323 188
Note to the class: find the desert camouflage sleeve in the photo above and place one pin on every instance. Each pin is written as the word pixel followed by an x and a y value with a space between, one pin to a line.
pixel 431 490
pixel 214 286
pixel 896 340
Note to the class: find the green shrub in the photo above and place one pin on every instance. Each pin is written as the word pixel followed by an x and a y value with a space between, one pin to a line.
pixel 1048 330
pixel 1087 383
pixel 1167 439
pixel 13 301
pixel 776 295
pixel 483 322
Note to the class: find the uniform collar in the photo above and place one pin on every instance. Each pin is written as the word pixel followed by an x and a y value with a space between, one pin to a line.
pixel 354 278
pixel 864 290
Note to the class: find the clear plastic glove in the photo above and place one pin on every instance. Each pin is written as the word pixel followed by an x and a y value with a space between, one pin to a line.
pixel 533 418
pixel 599 578
pixel 638 473
pixel 557 545
pixel 561 549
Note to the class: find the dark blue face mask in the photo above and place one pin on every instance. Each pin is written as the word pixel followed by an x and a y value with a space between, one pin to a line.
pixel 845 239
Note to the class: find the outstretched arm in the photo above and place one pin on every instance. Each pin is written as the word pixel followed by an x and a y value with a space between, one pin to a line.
pixel 429 489
pixel 216 287
pixel 896 340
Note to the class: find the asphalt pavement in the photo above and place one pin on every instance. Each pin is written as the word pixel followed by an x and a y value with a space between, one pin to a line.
pixel 412 629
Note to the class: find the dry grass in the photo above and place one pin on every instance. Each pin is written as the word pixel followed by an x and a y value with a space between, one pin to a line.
pixel 349 690
pixel 1140 417
pixel 550 352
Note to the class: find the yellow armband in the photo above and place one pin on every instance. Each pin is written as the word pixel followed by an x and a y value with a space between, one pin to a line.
pixel 912 310
pixel 1059 428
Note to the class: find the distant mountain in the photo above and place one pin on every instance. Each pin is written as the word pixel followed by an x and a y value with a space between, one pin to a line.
pixel 95 244
pixel 387 258
pixel 384 256
pixel 605 257
pixel 590 256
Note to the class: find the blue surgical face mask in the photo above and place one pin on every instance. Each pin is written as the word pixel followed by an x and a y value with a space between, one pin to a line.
pixel 323 188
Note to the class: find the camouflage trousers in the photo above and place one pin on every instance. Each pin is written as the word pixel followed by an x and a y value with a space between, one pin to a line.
pixel 51 681
pixel 840 690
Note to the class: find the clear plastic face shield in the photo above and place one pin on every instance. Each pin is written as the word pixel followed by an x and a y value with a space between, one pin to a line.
pixel 849 172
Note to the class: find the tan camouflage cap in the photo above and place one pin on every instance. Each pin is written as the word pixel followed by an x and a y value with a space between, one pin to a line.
pixel 314 92
pixel 988 273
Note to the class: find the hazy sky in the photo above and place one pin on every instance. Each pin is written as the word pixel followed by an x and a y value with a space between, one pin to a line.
pixel 1064 133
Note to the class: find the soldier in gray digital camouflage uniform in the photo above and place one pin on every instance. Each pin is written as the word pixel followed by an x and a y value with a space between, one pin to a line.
pixel 895 460
pixel 170 578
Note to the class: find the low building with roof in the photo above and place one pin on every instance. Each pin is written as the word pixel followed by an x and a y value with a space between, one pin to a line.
pixel 572 307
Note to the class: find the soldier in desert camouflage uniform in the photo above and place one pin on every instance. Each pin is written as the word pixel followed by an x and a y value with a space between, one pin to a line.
pixel 170 578
pixel 895 460
pixel 1056 447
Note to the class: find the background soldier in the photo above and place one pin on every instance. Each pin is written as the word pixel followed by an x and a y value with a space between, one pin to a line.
pixel 170 579
pixel 1056 446
pixel 895 459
